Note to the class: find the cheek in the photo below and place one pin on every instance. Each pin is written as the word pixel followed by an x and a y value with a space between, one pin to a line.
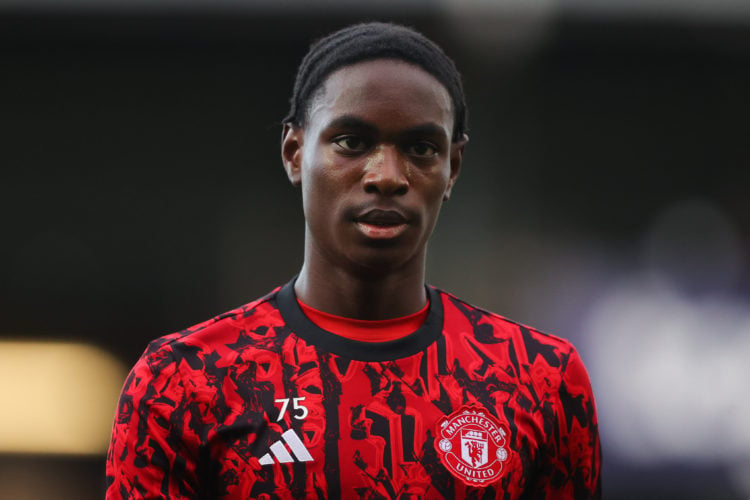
pixel 436 188
pixel 320 187
pixel 433 197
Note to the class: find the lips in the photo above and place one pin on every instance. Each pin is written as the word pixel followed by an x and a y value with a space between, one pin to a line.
pixel 381 224
pixel 382 218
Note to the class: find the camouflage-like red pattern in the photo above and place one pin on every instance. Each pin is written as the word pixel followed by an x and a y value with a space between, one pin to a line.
pixel 202 407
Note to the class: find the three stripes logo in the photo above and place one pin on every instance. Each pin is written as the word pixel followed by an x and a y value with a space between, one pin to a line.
pixel 281 453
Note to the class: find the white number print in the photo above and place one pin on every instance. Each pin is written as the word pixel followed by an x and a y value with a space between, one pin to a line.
pixel 300 410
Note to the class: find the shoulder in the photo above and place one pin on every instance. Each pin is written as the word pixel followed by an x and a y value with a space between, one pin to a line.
pixel 221 336
pixel 527 344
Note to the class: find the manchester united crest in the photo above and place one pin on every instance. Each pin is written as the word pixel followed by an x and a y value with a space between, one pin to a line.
pixel 471 443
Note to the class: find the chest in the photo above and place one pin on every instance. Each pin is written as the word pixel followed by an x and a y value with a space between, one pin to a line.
pixel 318 426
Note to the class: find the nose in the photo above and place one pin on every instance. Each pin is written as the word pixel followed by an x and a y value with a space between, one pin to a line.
pixel 384 173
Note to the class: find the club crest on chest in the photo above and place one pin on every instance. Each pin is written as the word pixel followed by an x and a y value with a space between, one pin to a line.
pixel 472 444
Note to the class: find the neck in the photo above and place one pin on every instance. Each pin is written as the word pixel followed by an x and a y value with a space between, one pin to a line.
pixel 362 294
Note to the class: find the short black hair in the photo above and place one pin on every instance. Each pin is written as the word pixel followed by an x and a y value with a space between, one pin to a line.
pixel 366 42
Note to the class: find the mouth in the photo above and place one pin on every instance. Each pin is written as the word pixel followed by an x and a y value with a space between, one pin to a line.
pixel 381 224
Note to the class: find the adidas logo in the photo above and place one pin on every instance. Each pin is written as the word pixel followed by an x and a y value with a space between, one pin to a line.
pixel 282 455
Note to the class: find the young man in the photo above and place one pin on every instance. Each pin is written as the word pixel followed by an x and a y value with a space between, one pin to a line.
pixel 355 379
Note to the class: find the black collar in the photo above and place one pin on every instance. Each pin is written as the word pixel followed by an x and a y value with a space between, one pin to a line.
pixel 411 344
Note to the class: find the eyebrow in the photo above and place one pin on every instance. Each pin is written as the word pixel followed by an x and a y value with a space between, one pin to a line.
pixel 426 129
pixel 351 121
pixel 354 122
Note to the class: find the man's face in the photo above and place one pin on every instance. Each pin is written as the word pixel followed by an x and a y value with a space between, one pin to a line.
pixel 375 162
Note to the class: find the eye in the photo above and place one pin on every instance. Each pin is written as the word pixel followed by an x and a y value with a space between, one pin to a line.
pixel 422 150
pixel 351 144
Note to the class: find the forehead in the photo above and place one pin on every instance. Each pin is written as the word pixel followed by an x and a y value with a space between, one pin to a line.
pixel 383 89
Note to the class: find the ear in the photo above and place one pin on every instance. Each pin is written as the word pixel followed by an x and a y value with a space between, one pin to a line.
pixel 457 152
pixel 291 151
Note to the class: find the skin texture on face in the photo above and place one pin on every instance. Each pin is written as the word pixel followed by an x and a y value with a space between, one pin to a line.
pixel 374 162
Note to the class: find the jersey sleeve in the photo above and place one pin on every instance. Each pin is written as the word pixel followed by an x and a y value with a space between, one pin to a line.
pixel 152 453
pixel 574 450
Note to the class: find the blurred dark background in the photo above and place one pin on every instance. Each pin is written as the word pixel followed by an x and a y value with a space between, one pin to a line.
pixel 604 198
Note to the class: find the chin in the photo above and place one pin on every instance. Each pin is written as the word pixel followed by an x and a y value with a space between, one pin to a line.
pixel 379 261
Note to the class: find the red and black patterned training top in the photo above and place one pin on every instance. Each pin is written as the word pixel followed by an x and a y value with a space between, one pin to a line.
pixel 262 403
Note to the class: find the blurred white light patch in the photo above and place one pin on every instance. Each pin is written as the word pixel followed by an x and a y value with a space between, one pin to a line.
pixel 57 397
pixel 669 357
pixel 671 374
